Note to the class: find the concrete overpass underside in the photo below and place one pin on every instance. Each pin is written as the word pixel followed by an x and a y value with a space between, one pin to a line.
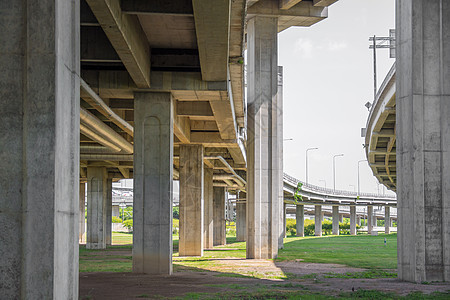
pixel 98 90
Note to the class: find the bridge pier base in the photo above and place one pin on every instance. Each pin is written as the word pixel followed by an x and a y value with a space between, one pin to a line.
pixel 241 222
pixel 220 228
pixel 300 220
pixel 96 207
pixel 82 215
pixel 387 219
pixel 352 220
pixel 318 220
pixel 108 212
pixel 191 200
pixel 335 219
pixel 153 175
pixel 264 174
pixel 208 222
pixel 369 219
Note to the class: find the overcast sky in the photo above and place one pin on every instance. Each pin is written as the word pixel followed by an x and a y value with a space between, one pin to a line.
pixel 328 77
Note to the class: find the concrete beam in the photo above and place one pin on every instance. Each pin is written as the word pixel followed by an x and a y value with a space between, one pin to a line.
pixel 177 7
pixel 194 109
pixel 323 2
pixel 127 37
pixel 212 26
pixel 301 14
pixel 287 4
pixel 226 121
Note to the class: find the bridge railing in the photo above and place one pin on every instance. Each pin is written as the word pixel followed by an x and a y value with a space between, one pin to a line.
pixel 316 188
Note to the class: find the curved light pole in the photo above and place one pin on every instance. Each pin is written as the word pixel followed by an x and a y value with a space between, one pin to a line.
pixel 359 190
pixel 307 161
pixel 334 170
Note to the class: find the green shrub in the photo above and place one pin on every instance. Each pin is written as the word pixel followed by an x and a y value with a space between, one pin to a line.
pixel 116 220
pixel 128 224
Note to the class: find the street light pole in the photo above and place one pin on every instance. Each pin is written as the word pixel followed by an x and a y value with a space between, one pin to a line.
pixel 359 190
pixel 307 161
pixel 334 170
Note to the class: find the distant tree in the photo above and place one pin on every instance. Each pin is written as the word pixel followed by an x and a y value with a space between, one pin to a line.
pixel 176 212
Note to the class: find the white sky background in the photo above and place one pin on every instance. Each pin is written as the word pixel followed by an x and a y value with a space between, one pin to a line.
pixel 328 77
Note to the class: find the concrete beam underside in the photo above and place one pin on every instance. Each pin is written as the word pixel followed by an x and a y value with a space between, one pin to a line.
pixel 39 103
pixel 153 185
pixel 263 173
pixel 423 139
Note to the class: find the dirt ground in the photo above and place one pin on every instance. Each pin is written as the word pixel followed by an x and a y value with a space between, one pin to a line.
pixel 132 286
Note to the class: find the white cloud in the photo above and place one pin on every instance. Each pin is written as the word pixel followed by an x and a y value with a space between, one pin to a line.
pixel 304 47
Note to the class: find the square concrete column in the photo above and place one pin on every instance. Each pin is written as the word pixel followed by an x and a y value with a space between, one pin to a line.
pixel 241 216
pixel 81 217
pixel 284 220
pixel 369 219
pixel 352 220
pixel 191 200
pixel 300 220
pixel 280 155
pixel 108 212
pixel 358 220
pixel 96 207
pixel 387 219
pixel 335 220
pixel 116 211
pixel 423 139
pixel 318 220
pixel 220 237
pixel 208 222
pixel 263 145
pixel 341 218
pixel 153 187
pixel 39 138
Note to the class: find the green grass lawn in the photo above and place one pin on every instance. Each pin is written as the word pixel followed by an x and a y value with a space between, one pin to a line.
pixel 361 251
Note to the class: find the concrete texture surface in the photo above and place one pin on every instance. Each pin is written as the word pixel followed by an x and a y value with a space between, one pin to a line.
pixel 219 235
pixel 153 174
pixel 423 139
pixel 39 131
pixel 191 200
pixel 263 172
pixel 96 207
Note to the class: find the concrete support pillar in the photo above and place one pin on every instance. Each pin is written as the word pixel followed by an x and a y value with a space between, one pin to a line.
pixel 241 218
pixel 318 220
pixel 335 219
pixel 300 220
pixel 208 222
pixel 96 207
pixel 263 144
pixel 387 219
pixel 423 139
pixel 284 220
pixel 358 220
pixel 81 218
pixel 191 200
pixel 352 220
pixel 341 218
pixel 39 138
pixel 220 237
pixel 279 139
pixel 153 186
pixel 109 212
pixel 369 219
pixel 116 211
